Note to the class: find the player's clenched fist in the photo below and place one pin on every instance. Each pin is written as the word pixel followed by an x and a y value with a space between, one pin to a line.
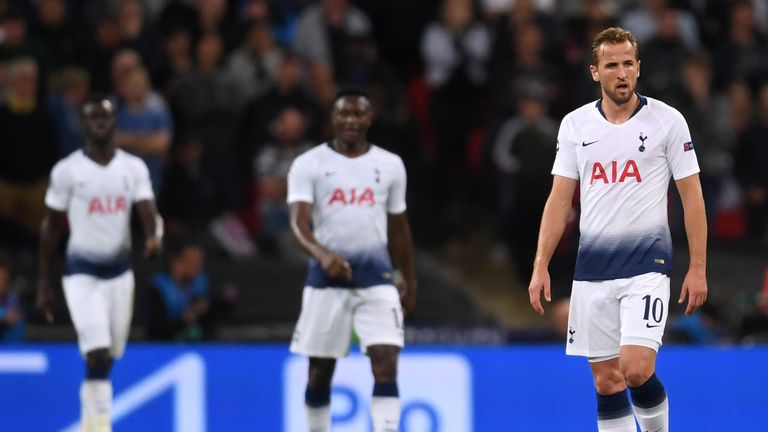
pixel 336 267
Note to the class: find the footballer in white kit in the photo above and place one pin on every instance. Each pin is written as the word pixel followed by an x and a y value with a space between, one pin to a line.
pixel 351 198
pixel 623 172
pixel 620 151
pixel 95 189
pixel 347 203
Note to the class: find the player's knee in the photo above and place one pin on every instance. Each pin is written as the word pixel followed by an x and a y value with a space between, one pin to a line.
pixel 637 376
pixel 321 372
pixel 98 364
pixel 384 367
pixel 609 382
pixel 636 371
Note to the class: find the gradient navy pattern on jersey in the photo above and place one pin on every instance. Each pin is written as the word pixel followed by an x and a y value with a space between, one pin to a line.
pixel 351 198
pixel 98 200
pixel 624 173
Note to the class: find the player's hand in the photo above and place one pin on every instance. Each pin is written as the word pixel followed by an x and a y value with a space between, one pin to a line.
pixel 45 300
pixel 336 267
pixel 540 281
pixel 152 247
pixel 408 297
pixel 695 288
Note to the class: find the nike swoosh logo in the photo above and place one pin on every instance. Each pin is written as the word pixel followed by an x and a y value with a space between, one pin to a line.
pixel 650 326
pixel 657 430
pixel 584 144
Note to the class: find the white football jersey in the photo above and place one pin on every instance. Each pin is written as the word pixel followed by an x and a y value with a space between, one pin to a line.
pixel 624 173
pixel 351 198
pixel 98 200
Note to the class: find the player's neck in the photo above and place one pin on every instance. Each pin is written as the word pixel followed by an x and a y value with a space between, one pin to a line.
pixel 619 113
pixel 100 154
pixel 350 149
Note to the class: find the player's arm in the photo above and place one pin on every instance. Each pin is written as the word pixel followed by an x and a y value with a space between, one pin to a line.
pixel 553 222
pixel 695 283
pixel 401 247
pixel 152 223
pixel 334 265
pixel 50 234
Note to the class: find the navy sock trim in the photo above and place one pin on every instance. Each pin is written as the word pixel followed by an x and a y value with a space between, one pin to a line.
pixel 317 398
pixel 386 390
pixel 613 406
pixel 648 394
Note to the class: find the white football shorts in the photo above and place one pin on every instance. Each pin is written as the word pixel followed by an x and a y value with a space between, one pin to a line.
pixel 101 310
pixel 605 315
pixel 328 316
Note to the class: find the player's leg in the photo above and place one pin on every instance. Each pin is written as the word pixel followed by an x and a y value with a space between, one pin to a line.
pixel 594 331
pixel 385 403
pixel 88 308
pixel 96 392
pixel 317 397
pixel 614 413
pixel 643 314
pixel 120 291
pixel 649 398
pixel 322 333
pixel 378 321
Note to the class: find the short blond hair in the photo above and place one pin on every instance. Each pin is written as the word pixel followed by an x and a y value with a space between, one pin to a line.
pixel 613 35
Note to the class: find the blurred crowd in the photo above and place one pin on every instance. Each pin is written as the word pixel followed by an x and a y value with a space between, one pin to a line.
pixel 219 96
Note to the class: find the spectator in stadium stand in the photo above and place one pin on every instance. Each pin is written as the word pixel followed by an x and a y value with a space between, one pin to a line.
pixel 271 167
pixel 176 60
pixel 203 108
pixel 522 152
pixel 144 123
pixel 455 50
pixel 750 159
pixel 253 65
pixel 742 52
pixel 60 30
pixel 138 34
pixel 69 88
pixel 707 112
pixel 323 29
pixel 178 304
pixel 29 147
pixel 663 56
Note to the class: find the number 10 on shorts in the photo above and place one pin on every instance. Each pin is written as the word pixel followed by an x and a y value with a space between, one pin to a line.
pixel 654 310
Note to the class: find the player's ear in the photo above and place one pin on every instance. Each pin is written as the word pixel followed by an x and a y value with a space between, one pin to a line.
pixel 638 68
pixel 594 73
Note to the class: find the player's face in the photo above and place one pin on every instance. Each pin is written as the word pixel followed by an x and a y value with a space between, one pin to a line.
pixel 99 120
pixel 617 71
pixel 352 116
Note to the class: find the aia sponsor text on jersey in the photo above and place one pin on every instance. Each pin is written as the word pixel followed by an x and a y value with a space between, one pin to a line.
pixel 613 172
pixel 107 205
pixel 352 196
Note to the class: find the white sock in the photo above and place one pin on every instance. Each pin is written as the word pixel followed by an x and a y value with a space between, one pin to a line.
pixel 655 419
pixel 385 411
pixel 318 418
pixel 621 424
pixel 96 406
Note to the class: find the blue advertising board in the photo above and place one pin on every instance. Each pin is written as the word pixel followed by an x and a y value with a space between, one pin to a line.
pixel 199 388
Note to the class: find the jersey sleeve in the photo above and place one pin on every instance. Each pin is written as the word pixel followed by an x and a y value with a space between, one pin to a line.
pixel 565 159
pixel 143 190
pixel 396 197
pixel 300 187
pixel 59 191
pixel 680 153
